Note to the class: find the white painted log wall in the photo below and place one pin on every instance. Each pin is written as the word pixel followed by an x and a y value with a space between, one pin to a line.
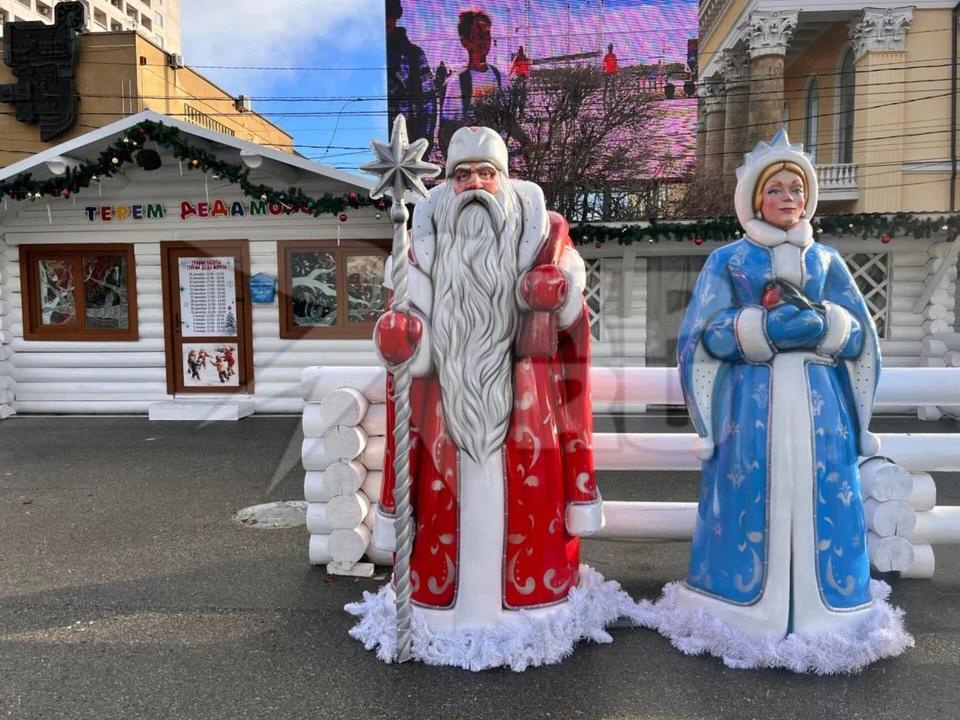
pixel 7 318
pixel 95 377
pixel 907 282
pixel 939 322
pixel 623 341
pixel 127 377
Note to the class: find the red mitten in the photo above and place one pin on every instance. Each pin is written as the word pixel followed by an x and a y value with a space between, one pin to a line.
pixel 544 288
pixel 397 336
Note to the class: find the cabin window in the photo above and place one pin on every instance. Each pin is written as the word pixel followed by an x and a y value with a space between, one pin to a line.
pixel 79 292
pixel 330 289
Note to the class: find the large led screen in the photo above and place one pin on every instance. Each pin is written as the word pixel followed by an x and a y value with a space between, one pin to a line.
pixel 449 61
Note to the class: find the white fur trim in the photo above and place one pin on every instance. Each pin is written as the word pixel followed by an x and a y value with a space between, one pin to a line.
pixel 526 638
pixel 839 326
pixel 703 448
pixel 750 329
pixel 535 224
pixel 419 286
pixel 759 159
pixel 423 244
pixel 585 519
pixel 787 261
pixel 476 144
pixel 421 364
pixel 869 444
pixel 881 634
pixel 763 233
pixel 706 368
pixel 388 273
pixel 384 534
pixel 572 306
pixel 572 262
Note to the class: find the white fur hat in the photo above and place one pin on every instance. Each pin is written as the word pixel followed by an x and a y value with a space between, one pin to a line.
pixel 763 156
pixel 476 144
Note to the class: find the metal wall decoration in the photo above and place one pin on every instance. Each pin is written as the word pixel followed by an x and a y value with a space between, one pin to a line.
pixel 44 61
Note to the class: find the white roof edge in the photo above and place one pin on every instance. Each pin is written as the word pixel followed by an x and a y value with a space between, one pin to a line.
pixel 71 146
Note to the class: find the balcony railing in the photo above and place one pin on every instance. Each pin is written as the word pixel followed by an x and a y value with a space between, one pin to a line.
pixel 838 181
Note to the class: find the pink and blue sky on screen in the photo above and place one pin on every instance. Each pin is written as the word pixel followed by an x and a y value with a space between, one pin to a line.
pixel 641 32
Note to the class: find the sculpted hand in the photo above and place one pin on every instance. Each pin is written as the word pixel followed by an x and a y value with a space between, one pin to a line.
pixel 544 288
pixel 397 336
pixel 789 327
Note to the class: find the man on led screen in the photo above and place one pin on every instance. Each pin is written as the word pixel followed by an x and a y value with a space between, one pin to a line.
pixel 410 86
pixel 479 78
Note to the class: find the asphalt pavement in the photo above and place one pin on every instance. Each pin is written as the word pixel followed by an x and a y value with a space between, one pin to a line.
pixel 127 591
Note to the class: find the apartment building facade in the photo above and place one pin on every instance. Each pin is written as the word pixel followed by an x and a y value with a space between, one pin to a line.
pixel 156 20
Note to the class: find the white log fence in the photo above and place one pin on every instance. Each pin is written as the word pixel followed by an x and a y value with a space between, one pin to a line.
pixel 941 350
pixel 344 427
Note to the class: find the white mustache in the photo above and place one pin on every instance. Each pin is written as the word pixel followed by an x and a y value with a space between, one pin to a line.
pixel 488 201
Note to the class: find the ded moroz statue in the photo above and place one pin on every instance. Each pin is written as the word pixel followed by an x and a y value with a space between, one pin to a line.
pixel 503 486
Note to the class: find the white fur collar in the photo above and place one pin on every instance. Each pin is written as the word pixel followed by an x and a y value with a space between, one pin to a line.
pixel 763 233
pixel 536 224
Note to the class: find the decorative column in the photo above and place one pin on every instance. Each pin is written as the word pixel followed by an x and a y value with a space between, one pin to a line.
pixel 715 109
pixel 767 35
pixel 736 73
pixel 878 36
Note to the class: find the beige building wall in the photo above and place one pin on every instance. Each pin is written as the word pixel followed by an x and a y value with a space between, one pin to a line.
pixel 711 38
pixel 156 20
pixel 821 61
pixel 120 74
pixel 902 111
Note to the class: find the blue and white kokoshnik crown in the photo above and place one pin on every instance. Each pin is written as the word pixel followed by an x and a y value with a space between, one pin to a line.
pixel 763 156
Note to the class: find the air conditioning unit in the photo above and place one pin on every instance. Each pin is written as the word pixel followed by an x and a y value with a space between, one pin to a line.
pixel 176 60
pixel 243 104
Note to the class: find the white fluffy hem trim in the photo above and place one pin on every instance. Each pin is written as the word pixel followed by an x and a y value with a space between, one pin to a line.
pixel 695 632
pixel 524 641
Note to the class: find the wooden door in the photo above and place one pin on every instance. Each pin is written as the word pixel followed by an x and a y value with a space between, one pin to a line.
pixel 206 309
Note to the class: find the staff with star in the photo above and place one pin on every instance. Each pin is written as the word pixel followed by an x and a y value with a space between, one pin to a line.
pixel 400 167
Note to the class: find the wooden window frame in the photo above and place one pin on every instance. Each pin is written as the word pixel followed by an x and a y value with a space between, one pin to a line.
pixel 34 329
pixel 342 250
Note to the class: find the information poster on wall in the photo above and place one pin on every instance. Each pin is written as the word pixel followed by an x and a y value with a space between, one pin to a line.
pixel 212 365
pixel 208 297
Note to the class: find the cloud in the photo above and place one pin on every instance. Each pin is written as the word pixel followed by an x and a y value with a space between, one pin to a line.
pixel 274 33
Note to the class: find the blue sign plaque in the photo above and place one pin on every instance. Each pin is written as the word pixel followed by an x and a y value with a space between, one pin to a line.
pixel 263 288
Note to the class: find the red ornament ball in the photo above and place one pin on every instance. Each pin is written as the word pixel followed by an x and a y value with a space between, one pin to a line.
pixel 699 241
pixel 381 205
pixel 343 217
pixel 599 244
pixel 65 193
pixel 885 239
pixel 352 196
pixel 143 131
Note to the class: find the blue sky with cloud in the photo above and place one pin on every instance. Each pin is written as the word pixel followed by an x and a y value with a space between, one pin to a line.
pixel 340 41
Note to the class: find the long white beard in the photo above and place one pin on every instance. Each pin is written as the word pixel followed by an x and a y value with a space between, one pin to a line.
pixel 475 317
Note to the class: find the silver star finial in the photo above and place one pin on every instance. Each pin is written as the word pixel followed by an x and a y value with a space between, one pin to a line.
pixel 399 162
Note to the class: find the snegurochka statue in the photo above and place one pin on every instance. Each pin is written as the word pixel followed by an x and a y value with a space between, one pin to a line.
pixel 779 362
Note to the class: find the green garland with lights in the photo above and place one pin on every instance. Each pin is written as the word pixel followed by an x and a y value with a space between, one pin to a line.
pixel 130 149
pixel 880 226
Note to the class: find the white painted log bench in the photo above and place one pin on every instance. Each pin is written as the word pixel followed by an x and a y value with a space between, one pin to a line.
pixel 344 427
